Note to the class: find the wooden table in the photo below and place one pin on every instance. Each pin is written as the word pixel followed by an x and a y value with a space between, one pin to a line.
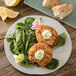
pixel 6 69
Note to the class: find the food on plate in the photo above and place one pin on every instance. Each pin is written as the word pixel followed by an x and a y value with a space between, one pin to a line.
pixel 46 34
pixel 53 64
pixel 61 41
pixel 22 39
pixel 5 12
pixel 27 51
pixel 41 54
pixel 35 24
pixel 11 3
pixel 51 3
pixel 19 58
pixel 62 11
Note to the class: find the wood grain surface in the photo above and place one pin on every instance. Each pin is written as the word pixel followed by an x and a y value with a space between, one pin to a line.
pixel 6 69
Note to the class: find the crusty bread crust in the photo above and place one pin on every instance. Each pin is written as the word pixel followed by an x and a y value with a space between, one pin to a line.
pixel 51 3
pixel 63 5
pixel 68 6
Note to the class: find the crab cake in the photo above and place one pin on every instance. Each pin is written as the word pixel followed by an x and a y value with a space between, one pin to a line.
pixel 40 53
pixel 47 35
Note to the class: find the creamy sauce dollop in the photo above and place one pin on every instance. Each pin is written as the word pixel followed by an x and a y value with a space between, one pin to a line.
pixel 39 55
pixel 46 34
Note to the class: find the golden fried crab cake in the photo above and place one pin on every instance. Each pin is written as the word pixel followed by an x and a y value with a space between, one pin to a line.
pixel 40 53
pixel 46 34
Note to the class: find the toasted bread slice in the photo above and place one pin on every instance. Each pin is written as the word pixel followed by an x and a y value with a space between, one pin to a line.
pixel 51 3
pixel 62 11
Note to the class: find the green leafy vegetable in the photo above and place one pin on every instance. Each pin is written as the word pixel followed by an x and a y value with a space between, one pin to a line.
pixel 40 19
pixel 26 63
pixel 29 20
pixel 23 26
pixel 22 39
pixel 16 47
pixel 62 40
pixel 53 64
pixel 19 26
pixel 10 37
pixel 13 48
pixel 18 36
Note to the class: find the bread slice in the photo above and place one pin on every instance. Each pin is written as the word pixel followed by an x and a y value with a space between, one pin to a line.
pixel 62 11
pixel 51 3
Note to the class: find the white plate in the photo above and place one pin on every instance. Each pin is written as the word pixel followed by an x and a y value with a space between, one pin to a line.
pixel 62 53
